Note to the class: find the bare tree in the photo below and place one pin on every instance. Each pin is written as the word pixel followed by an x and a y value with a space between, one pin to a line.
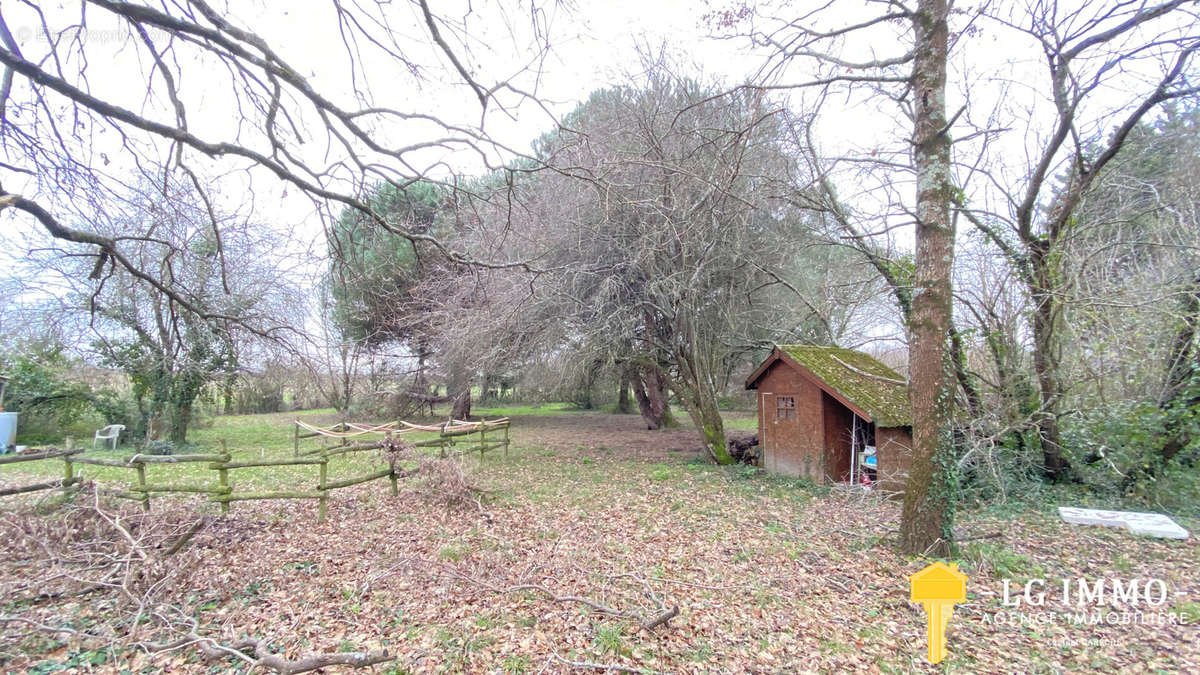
pixel 170 352
pixel 663 237
pixel 815 47
pixel 1108 66
pixel 220 99
pixel 1086 47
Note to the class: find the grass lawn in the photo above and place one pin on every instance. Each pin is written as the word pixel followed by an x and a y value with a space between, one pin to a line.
pixel 246 437
pixel 270 436
pixel 770 574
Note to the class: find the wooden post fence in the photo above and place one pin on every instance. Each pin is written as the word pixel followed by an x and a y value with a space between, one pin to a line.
pixel 222 492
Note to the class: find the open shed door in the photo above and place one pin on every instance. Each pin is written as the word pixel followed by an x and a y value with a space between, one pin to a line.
pixel 766 429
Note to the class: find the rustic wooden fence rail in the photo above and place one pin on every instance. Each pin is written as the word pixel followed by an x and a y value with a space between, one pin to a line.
pixel 344 432
pixel 471 435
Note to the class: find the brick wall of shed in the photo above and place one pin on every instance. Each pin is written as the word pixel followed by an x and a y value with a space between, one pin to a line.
pixel 792 447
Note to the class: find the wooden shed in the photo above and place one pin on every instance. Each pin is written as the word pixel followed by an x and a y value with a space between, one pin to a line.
pixel 823 411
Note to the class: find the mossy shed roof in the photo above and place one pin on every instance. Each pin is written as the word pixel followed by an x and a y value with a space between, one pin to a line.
pixel 858 378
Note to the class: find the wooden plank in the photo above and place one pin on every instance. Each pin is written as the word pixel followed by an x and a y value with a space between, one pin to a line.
pixel 223 477
pixel 122 494
pixel 33 457
pixel 461 432
pixel 101 461
pixel 141 483
pixel 63 482
pixel 341 450
pixel 322 474
pixel 176 459
pixel 265 462
pixel 267 495
pixel 177 488
pixel 333 485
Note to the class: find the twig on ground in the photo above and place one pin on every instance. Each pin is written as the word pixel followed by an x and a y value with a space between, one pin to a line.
pixel 664 614
pixel 50 629
pixel 599 666
pixel 264 658
pixel 973 537
pixel 183 538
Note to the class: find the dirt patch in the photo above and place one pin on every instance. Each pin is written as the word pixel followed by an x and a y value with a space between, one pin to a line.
pixel 589 434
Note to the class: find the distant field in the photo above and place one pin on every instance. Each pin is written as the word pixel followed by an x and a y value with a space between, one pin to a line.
pixel 270 436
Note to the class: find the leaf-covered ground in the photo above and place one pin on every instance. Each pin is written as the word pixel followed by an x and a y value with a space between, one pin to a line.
pixel 770 575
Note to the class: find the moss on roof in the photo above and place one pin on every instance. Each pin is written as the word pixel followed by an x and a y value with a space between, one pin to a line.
pixel 871 386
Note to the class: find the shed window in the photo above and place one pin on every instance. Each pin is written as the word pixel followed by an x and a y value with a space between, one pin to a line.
pixel 785 408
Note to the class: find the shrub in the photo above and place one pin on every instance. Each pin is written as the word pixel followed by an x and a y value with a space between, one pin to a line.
pixel 164 447
pixel 51 404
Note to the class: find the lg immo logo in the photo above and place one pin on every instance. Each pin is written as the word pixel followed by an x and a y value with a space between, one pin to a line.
pixel 938 588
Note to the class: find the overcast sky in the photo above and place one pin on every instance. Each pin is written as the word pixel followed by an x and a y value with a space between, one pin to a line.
pixel 592 45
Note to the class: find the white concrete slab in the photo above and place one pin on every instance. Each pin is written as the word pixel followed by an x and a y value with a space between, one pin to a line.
pixel 1150 524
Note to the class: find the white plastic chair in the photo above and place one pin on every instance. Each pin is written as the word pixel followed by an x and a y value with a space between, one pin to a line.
pixel 110 432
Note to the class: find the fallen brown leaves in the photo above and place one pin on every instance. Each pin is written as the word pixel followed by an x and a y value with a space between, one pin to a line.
pixel 768 576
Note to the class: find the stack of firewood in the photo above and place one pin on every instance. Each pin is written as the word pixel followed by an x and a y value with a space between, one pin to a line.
pixel 745 449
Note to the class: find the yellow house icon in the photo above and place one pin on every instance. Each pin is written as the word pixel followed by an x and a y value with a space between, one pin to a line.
pixel 938 587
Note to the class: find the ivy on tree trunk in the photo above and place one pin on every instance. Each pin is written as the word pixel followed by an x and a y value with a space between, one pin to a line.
pixel 928 515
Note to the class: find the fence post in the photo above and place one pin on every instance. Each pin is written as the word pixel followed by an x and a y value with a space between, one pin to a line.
pixel 506 440
pixel 141 479
pixel 324 469
pixel 68 468
pixel 68 472
pixel 387 437
pixel 296 439
pixel 482 440
pixel 223 478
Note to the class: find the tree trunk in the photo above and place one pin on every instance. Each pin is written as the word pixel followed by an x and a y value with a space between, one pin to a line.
pixel 420 382
pixel 702 408
pixel 649 389
pixel 459 388
pixel 970 387
pixel 462 405
pixel 1183 366
pixel 228 393
pixel 1046 363
pixel 181 417
pixel 624 403
pixel 586 393
pixel 695 388
pixel 929 498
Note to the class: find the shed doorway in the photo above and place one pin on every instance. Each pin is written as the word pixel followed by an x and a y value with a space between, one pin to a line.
pixel 863 460
pixel 849 444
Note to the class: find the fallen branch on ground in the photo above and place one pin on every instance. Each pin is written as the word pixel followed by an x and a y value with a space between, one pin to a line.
pixel 973 537
pixel 264 658
pixel 183 538
pixel 598 666
pixel 647 623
